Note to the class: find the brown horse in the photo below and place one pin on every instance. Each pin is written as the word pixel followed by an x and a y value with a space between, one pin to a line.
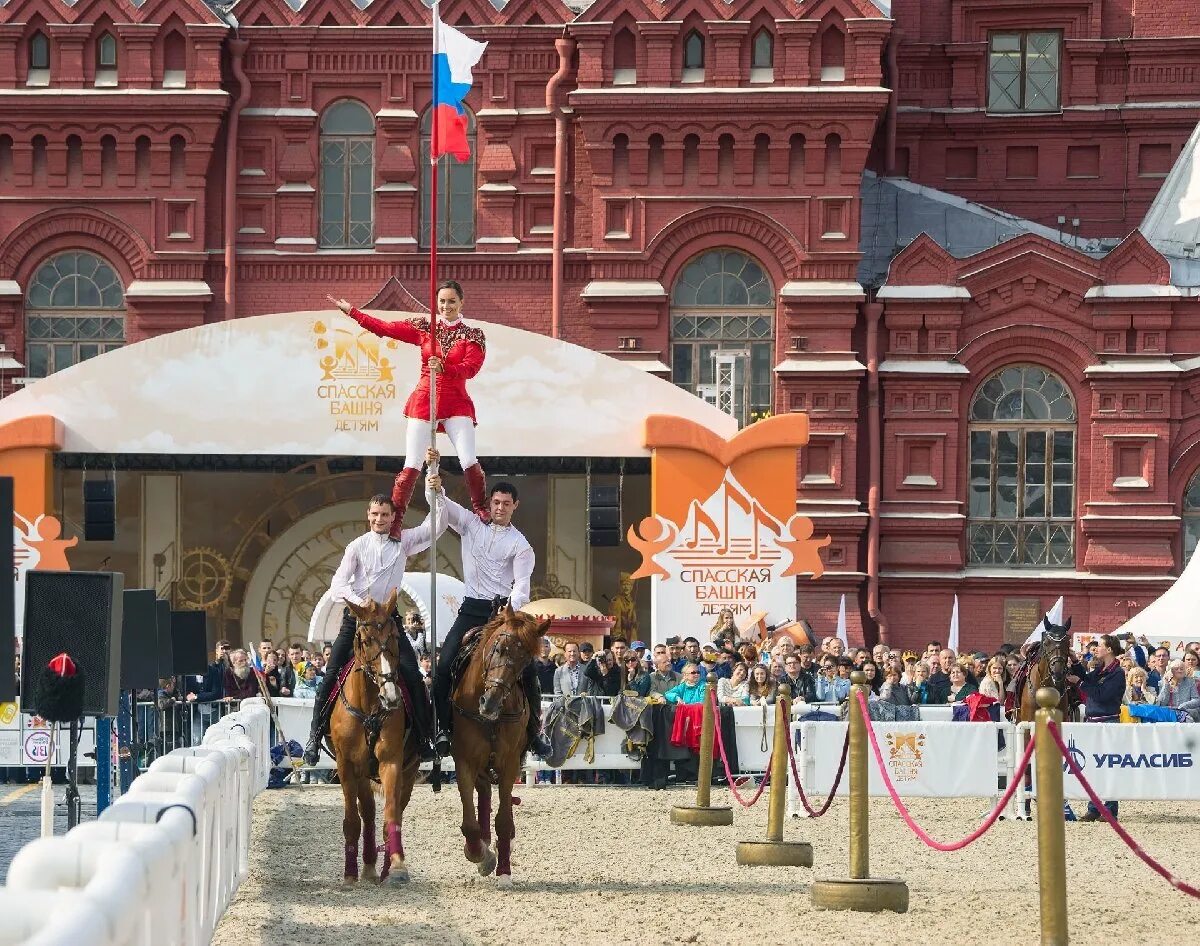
pixel 489 735
pixel 1054 660
pixel 368 732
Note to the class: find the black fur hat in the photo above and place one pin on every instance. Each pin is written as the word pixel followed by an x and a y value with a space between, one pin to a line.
pixel 58 696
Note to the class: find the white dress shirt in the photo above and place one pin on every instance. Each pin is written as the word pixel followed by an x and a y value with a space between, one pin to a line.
pixel 374 565
pixel 497 560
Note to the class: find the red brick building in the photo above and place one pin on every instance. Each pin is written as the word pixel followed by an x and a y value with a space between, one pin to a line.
pixel 999 368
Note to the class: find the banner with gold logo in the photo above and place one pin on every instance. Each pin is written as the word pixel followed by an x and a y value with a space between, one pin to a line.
pixel 723 530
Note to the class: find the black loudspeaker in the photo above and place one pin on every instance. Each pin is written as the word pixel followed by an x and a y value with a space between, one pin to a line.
pixel 80 613
pixel 99 510
pixel 8 648
pixel 139 641
pixel 604 515
pixel 189 637
pixel 166 640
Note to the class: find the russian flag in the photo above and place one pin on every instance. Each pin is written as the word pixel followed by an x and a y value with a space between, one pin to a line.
pixel 454 56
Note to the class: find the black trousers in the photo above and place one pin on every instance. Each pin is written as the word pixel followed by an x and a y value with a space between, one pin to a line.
pixel 343 649
pixel 476 612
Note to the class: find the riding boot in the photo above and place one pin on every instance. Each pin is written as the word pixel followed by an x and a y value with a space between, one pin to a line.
pixel 312 751
pixel 477 485
pixel 402 490
pixel 537 743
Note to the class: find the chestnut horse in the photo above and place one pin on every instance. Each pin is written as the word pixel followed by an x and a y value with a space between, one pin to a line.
pixel 368 733
pixel 1054 659
pixel 489 736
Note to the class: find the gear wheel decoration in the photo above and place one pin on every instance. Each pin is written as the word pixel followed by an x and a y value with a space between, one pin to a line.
pixel 204 578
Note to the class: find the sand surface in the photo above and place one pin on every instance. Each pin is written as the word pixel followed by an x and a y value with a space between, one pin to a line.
pixel 604 865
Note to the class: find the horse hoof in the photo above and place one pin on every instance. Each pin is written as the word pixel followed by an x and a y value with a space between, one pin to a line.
pixel 488 864
pixel 368 872
pixel 349 881
pixel 504 881
pixel 397 877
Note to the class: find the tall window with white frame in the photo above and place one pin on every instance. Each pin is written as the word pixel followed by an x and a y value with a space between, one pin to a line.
pixel 1024 69
pixel 456 191
pixel 723 333
pixel 75 310
pixel 1191 517
pixel 1022 471
pixel 347 176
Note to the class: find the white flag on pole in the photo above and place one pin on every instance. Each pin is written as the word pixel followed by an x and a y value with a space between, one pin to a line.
pixel 1055 616
pixel 841 625
pixel 952 637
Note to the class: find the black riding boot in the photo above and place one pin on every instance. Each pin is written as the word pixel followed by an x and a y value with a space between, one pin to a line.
pixel 537 743
pixel 312 751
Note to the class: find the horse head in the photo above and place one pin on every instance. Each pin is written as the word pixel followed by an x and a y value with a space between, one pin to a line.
pixel 511 640
pixel 1056 653
pixel 376 646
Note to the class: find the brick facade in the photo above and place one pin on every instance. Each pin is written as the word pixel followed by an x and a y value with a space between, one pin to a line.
pixel 661 166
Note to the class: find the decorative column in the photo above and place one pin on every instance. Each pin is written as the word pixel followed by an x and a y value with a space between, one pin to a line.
pixel 496 226
pixel 659 38
pixel 138 42
pixel 396 218
pixel 296 197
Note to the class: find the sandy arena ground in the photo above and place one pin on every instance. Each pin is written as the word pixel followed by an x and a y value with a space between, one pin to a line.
pixel 604 865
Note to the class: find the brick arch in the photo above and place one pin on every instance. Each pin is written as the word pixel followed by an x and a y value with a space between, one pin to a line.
pixel 767 240
pixel 76 228
pixel 1050 348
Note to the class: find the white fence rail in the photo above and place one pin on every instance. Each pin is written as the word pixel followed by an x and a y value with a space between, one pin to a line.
pixel 161 864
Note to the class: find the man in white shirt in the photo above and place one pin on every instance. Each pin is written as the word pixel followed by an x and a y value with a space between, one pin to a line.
pixel 372 567
pixel 497 566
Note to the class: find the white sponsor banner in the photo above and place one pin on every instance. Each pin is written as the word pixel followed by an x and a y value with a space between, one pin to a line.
pixel 931 760
pixel 25 740
pixel 1122 761
pixel 1173 642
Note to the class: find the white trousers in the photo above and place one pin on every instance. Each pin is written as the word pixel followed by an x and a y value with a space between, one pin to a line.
pixel 460 430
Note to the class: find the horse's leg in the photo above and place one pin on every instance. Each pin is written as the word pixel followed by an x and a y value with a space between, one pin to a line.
pixel 484 789
pixel 506 828
pixel 465 779
pixel 393 847
pixel 351 823
pixel 366 806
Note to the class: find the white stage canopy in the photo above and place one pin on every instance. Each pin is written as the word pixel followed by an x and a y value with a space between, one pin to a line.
pixel 315 384
pixel 327 615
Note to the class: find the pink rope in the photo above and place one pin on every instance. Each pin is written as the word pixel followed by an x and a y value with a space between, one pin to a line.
pixel 908 819
pixel 837 779
pixel 1182 886
pixel 725 762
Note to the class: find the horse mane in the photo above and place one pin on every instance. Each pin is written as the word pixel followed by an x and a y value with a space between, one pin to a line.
pixel 527 629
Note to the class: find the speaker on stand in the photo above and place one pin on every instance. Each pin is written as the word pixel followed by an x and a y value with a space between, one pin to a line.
pixel 99 510
pixel 604 510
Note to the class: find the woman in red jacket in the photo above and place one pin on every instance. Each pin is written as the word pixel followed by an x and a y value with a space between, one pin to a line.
pixel 456 355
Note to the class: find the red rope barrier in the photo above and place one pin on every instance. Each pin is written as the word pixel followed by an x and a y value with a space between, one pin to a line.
pixel 908 819
pixel 725 762
pixel 1182 886
pixel 837 779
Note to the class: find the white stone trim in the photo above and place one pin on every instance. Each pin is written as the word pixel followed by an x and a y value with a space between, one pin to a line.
pixel 295 189
pixel 623 289
pixel 10 288
pixel 818 366
pixel 278 113
pixel 396 113
pixel 821 288
pixel 168 289
pixel 1133 292
pixel 923 292
pixel 915 366
pixel 729 90
pixel 1135 366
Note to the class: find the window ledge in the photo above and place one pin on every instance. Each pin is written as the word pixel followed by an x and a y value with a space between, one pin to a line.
pixel 818 479
pixel 37 78
pixel 624 77
pixel 833 73
pixel 919 480
pixel 991 113
pixel 1131 482
pixel 106 79
pixel 762 74
pixel 174 79
pixel 692 76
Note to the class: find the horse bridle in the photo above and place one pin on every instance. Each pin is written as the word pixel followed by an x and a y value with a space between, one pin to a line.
pixel 1056 660
pixel 491 661
pixel 378 678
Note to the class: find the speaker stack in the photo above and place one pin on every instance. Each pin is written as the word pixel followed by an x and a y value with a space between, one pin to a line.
pixel 604 515
pixel 99 510
pixel 80 613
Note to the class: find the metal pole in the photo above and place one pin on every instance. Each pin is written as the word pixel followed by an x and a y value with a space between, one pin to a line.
pixel 860 846
pixel 1052 839
pixel 103 763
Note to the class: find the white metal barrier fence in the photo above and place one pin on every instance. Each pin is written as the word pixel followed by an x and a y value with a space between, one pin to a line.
pixel 161 864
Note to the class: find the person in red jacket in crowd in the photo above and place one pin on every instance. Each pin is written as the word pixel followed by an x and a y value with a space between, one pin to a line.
pixel 456 355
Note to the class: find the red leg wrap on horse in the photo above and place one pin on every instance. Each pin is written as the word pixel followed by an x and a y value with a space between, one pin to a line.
pixel 503 856
pixel 395 843
pixel 351 860
pixel 370 848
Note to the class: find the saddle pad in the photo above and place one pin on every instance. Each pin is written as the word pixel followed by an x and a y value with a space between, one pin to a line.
pixel 469 642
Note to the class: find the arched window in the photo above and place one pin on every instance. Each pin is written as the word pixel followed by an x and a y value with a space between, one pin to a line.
pixel 347 175
pixel 106 60
pixel 624 58
pixel 174 61
pixel 74 161
pixel 833 55
pixel 654 160
pixel 141 161
pixel 762 159
pixel 456 191
pixel 693 57
pixel 762 57
pixel 39 60
pixel 691 159
pixel 108 161
pixel 725 160
pixel 1191 517
pixel 1022 470
pixel 620 174
pixel 39 159
pixel 723 333
pixel 178 160
pixel 833 159
pixel 796 159
pixel 74 311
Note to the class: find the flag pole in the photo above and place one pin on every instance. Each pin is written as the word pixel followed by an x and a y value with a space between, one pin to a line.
pixel 436 775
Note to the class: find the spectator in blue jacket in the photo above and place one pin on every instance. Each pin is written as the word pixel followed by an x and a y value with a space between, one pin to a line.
pixel 1103 687
pixel 831 688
